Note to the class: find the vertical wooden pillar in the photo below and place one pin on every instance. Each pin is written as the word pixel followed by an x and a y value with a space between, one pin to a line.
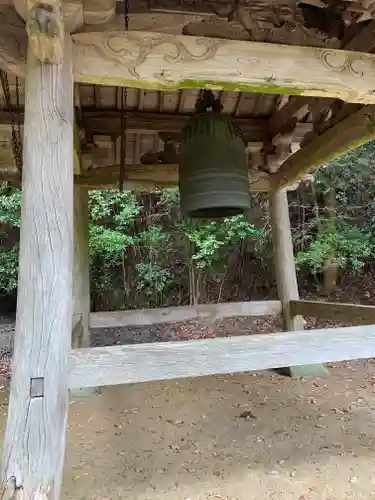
pixel 81 270
pixel 35 435
pixel 286 277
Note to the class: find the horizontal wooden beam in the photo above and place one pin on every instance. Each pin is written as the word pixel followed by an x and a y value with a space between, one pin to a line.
pixel 150 177
pixel 356 313
pixel 157 61
pixel 350 133
pixel 102 366
pixel 205 312
pixel 146 178
pixel 160 61
pixel 108 122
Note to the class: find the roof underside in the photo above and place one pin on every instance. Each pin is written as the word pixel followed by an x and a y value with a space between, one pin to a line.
pixel 98 107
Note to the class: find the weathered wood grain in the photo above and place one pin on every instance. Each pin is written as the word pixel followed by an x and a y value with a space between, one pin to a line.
pixel 81 270
pixel 159 22
pixel 149 177
pixel 101 366
pixel 46 30
pixel 108 122
pixel 295 109
pixel 286 276
pixel 159 61
pixel 356 313
pixel 350 133
pixel 13 42
pixel 287 116
pixel 35 436
pixel 72 12
pixel 99 11
pixel 206 312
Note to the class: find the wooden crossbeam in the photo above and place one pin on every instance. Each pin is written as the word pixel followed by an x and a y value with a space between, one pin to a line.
pixel 158 61
pixel 102 366
pixel 205 312
pixel 360 314
pixel 108 122
pixel 150 177
pixel 140 178
pixel 350 133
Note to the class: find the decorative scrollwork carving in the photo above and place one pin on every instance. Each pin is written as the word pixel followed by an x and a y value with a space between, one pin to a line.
pixel 263 23
pixel 132 56
pixel 346 64
pixel 346 12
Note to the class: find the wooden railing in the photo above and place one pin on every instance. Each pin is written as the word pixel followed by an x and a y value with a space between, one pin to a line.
pixel 207 312
pixel 350 313
pixel 101 366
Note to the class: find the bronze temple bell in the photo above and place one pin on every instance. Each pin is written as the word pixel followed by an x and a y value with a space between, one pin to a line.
pixel 213 168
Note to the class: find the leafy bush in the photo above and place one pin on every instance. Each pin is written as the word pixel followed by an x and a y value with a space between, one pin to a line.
pixel 10 218
pixel 10 206
pixel 9 270
pixel 153 278
pixel 213 240
pixel 113 207
pixel 349 248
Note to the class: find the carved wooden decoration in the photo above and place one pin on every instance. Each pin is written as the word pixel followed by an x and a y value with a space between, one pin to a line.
pixel 256 23
pixel 72 12
pixel 264 23
pixel 156 61
pixel 46 31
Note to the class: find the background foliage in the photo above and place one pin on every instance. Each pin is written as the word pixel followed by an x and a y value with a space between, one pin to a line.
pixel 143 254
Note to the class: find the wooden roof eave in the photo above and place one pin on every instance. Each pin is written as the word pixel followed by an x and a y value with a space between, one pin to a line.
pixel 164 58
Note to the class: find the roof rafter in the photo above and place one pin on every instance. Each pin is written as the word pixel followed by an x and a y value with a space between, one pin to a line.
pixel 358 128
pixel 295 109
pixel 108 122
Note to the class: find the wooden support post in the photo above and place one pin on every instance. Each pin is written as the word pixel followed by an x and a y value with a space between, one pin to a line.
pixel 81 271
pixel 286 277
pixel 35 436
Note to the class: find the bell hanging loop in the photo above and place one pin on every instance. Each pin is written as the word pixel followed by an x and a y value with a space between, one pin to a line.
pixel 213 169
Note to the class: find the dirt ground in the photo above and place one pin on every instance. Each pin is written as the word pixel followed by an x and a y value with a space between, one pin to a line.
pixel 253 436
pixel 236 437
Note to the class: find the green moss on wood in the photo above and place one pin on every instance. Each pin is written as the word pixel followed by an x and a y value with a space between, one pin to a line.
pixel 268 87
pixel 368 136
pixel 77 142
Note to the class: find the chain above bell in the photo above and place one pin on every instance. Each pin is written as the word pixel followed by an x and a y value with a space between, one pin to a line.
pixel 213 169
